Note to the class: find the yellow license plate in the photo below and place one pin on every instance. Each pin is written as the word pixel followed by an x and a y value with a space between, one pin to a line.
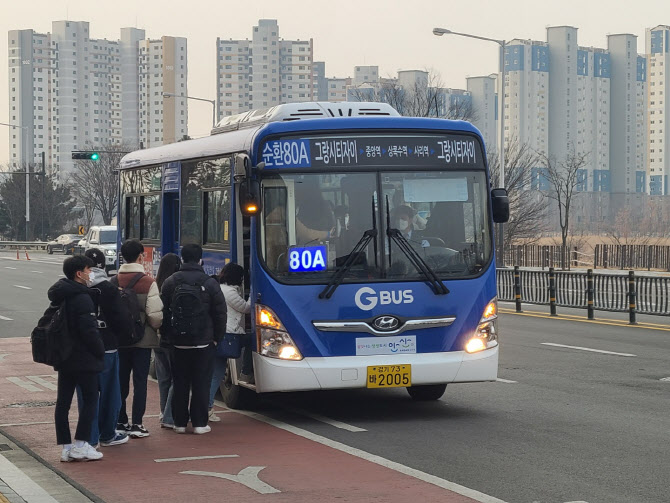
pixel 389 376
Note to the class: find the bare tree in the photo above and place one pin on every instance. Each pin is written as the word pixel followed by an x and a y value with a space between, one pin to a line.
pixel 564 177
pixel 426 98
pixel 96 182
pixel 528 208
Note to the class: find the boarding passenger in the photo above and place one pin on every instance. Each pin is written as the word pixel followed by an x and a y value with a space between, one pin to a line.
pixel 231 278
pixel 194 316
pixel 86 360
pixel 170 264
pixel 136 359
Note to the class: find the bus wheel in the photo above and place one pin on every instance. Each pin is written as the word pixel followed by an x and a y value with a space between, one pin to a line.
pixel 427 392
pixel 235 396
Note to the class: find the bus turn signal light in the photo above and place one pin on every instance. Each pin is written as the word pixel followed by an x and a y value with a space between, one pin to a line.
pixel 251 209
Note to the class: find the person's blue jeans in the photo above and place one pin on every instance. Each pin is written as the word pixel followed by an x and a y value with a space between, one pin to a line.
pixel 165 388
pixel 218 375
pixel 109 401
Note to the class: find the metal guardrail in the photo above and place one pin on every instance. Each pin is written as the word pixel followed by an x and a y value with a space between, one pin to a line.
pixel 586 290
pixel 20 245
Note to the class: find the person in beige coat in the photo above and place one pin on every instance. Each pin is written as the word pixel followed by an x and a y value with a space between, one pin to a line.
pixel 137 358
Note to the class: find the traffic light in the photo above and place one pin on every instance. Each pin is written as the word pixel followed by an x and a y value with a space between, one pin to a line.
pixel 85 154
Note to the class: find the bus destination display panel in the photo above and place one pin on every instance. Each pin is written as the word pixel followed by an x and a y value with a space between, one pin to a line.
pixel 458 151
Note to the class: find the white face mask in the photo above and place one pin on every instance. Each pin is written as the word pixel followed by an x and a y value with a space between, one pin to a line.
pixel 403 225
pixel 346 220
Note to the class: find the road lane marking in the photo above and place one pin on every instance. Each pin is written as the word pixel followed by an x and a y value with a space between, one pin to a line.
pixel 373 458
pixel 579 317
pixel 3 356
pixel 23 384
pixel 5 318
pixel 506 381
pixel 26 424
pixel 247 477
pixel 324 419
pixel 646 326
pixel 21 484
pixel 586 349
pixel 37 272
pixel 40 379
pixel 13 268
pixel 665 379
pixel 194 458
pixel 23 287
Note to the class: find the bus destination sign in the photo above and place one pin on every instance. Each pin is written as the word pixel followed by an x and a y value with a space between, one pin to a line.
pixel 449 150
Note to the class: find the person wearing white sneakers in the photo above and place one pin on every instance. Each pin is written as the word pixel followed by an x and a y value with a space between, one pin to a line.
pixel 84 361
pixel 194 319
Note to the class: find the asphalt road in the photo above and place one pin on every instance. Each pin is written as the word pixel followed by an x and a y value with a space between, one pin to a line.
pixel 566 425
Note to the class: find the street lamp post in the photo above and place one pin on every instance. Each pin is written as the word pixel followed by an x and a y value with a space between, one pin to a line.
pixel 213 102
pixel 501 146
pixel 24 151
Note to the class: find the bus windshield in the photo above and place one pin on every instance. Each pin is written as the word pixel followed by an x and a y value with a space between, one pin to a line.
pixel 311 223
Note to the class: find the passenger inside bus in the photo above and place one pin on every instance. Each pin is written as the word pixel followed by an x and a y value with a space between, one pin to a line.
pixel 314 216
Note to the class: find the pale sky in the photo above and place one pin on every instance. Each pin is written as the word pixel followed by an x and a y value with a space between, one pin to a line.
pixel 392 34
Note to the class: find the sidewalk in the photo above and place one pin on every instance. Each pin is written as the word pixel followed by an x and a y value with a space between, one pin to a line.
pixel 25 479
pixel 247 457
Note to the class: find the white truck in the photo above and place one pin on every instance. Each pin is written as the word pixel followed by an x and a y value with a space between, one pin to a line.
pixel 102 237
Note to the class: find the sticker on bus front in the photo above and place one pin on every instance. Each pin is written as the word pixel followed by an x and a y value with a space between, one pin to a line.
pixel 385 345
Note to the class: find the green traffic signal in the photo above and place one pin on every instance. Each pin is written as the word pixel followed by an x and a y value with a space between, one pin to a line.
pixel 85 155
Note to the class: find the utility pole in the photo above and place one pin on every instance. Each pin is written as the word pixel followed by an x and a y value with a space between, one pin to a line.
pixel 44 172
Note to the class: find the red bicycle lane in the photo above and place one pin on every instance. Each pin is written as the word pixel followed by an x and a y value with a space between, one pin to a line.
pixel 246 457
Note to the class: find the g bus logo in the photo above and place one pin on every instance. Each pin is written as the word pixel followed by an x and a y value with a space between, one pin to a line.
pixel 366 298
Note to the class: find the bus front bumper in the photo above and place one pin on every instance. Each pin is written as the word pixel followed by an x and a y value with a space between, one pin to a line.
pixel 351 371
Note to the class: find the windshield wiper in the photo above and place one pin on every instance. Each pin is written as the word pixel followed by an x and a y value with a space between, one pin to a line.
pixel 417 260
pixel 338 277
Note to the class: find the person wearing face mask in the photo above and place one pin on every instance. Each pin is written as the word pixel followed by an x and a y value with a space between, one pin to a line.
pixel 86 360
pixel 403 217
pixel 112 321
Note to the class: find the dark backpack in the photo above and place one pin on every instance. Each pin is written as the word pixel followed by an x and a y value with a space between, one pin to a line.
pixel 131 303
pixel 51 340
pixel 189 316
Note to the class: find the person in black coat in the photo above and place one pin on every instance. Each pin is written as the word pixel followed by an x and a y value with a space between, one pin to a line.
pixel 113 321
pixel 83 364
pixel 192 357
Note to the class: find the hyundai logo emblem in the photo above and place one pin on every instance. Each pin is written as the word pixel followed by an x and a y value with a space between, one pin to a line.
pixel 386 323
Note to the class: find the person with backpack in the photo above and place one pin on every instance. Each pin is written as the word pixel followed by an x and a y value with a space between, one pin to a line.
pixel 79 331
pixel 139 293
pixel 113 319
pixel 170 264
pixel 194 319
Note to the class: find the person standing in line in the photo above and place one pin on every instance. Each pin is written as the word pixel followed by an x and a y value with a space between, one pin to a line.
pixel 112 320
pixel 136 359
pixel 170 264
pixel 84 363
pixel 194 318
pixel 231 278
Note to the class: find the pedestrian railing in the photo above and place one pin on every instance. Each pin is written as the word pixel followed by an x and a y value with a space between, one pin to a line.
pixel 586 290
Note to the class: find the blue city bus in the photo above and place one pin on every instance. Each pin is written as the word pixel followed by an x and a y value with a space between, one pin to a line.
pixel 367 239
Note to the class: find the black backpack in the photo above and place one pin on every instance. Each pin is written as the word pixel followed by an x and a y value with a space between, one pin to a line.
pixel 132 305
pixel 188 310
pixel 51 340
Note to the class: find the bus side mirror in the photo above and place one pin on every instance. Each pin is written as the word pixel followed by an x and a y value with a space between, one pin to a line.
pixel 500 205
pixel 250 197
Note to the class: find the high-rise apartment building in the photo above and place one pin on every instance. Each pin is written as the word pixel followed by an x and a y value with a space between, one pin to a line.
pixel 365 75
pixel 484 108
pixel 320 81
pixel 527 94
pixel 163 69
pixel 658 109
pixel 69 92
pixel 264 71
pixel 623 112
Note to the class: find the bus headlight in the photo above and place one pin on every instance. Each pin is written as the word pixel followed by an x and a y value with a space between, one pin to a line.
pixel 273 339
pixel 486 336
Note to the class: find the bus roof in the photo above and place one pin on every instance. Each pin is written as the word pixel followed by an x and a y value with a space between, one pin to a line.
pixel 246 139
